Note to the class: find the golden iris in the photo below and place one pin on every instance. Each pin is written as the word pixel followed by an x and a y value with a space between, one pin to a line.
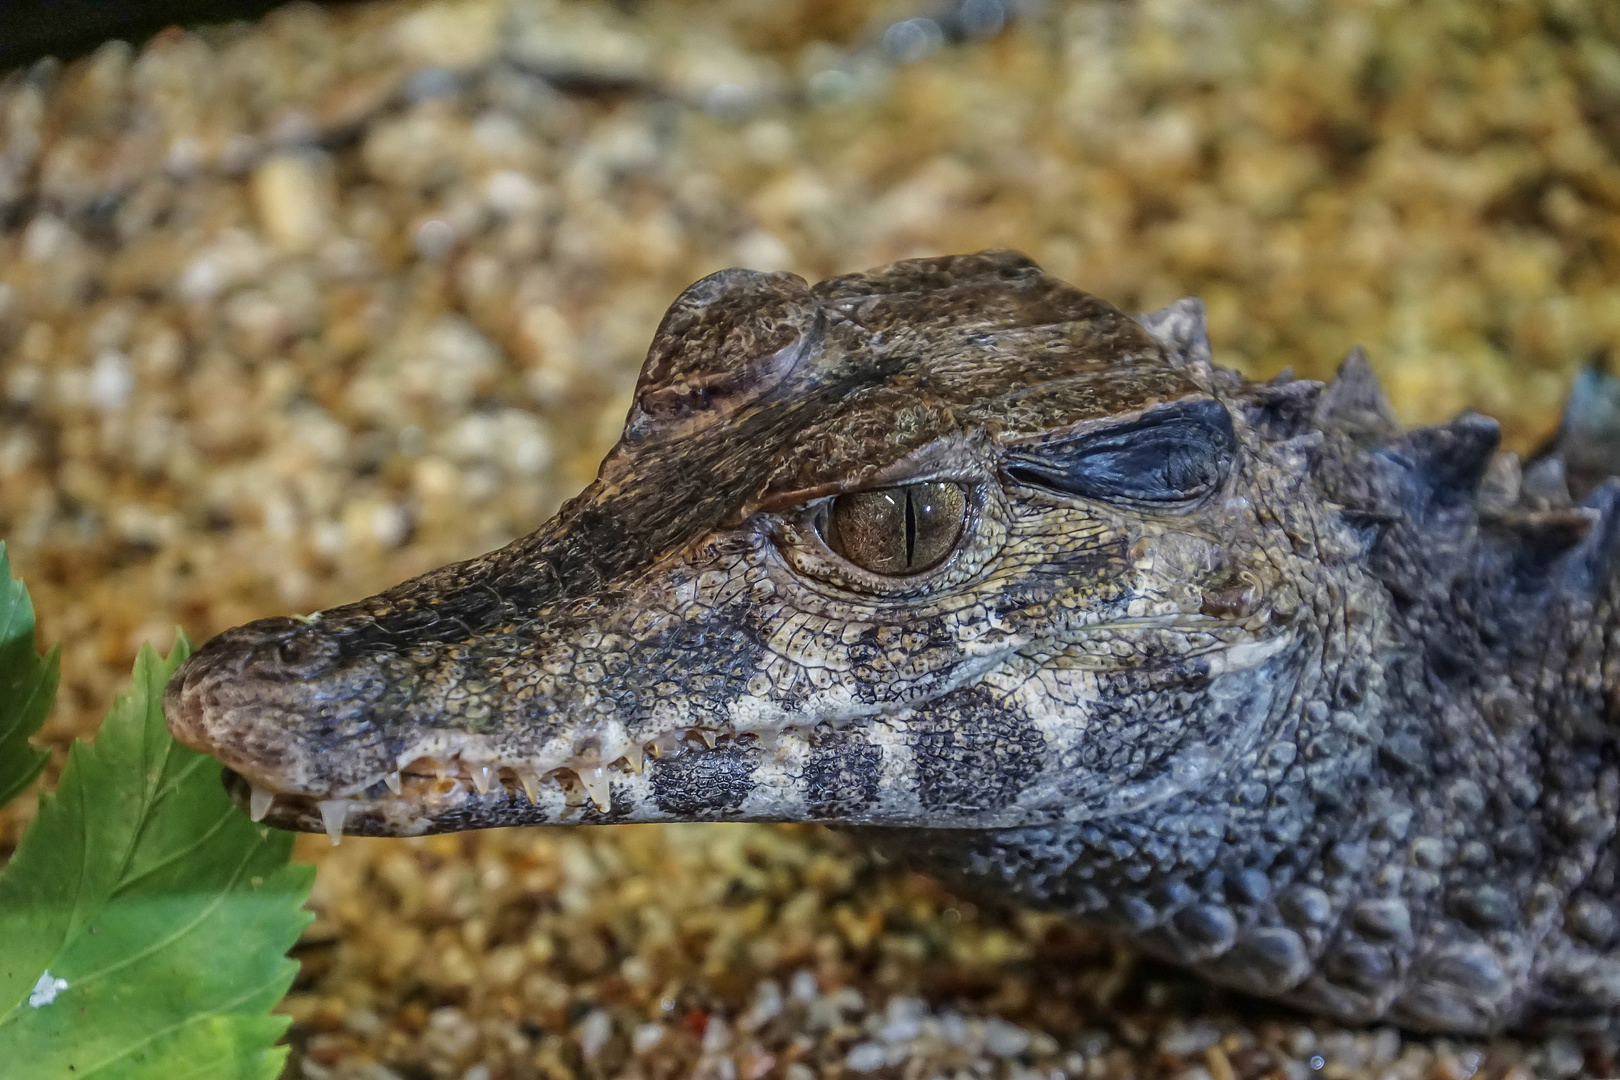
pixel 898 530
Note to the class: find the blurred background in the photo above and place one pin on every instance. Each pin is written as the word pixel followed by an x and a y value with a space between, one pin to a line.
pixel 293 309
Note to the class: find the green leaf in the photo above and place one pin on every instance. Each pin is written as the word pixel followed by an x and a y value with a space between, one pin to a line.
pixel 145 919
pixel 27 686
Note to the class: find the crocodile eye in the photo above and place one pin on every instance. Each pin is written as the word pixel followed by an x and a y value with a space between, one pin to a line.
pixel 898 530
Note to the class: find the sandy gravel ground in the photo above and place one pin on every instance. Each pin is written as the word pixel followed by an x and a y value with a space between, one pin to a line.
pixel 291 311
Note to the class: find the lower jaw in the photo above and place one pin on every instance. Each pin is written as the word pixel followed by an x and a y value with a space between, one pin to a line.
pixel 432 796
pixel 450 806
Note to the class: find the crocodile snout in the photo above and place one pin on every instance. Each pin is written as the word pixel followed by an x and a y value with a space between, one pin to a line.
pixel 266 698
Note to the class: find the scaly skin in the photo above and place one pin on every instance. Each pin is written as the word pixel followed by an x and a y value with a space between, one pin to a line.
pixel 1316 707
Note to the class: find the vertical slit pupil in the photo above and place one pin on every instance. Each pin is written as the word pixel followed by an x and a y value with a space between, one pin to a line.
pixel 911 526
pixel 897 530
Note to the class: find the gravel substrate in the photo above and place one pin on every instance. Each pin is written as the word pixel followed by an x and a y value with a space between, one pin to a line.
pixel 291 311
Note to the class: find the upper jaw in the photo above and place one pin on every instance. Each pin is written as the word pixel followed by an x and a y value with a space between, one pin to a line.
pixel 444 780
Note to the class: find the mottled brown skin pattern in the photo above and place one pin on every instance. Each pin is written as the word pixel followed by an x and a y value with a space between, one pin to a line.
pixel 1316 707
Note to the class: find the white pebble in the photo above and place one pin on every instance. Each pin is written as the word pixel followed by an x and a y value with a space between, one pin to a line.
pixel 111 380
pixel 1188 1040
pixel 46 238
pixel 903 1021
pixel 594 1032
pixel 716 1036
pixel 186 155
pixel 766 1007
pixel 1564 1057
pixel 1003 1039
pixel 646 1037
pixel 759 250
pixel 865 1057
pixel 511 193
pixel 390 525
pixel 203 280
pixel 435 238
pixel 803 986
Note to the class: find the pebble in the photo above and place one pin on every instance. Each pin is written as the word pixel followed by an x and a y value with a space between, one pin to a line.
pixel 866 1057
pixel 1184 1041
pixel 593 1033
pixel 287 195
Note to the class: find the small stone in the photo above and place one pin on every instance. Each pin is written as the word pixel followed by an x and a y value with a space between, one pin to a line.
pixel 1563 1057
pixel 288 193
pixel 1003 1039
pixel 111 380
pixel 511 193
pixel 716 1036
pixel 866 1057
pixel 1184 1041
pixel 803 986
pixel 593 1033
pixel 435 238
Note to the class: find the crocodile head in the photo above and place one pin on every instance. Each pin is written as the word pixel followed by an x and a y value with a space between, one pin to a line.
pixel 946 543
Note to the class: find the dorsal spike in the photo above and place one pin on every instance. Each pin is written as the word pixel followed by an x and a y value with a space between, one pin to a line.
pixel 1284 408
pixel 1502 484
pixel 1445 463
pixel 1588 438
pixel 1543 486
pixel 1183 331
pixel 1354 403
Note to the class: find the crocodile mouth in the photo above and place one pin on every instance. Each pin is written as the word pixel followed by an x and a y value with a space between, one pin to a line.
pixel 467 787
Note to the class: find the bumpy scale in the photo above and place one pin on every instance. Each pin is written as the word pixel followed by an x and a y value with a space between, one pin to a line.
pixel 1031 593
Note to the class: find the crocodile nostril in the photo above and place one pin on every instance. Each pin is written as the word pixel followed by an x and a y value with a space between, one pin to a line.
pixel 296 651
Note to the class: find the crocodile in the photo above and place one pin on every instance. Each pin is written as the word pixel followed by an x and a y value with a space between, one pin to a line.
pixel 1029 592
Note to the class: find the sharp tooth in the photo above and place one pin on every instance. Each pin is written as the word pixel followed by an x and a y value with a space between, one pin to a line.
pixel 393 781
pixel 333 813
pixel 531 787
pixel 707 736
pixel 594 777
pixel 635 755
pixel 483 777
pixel 668 744
pixel 259 802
